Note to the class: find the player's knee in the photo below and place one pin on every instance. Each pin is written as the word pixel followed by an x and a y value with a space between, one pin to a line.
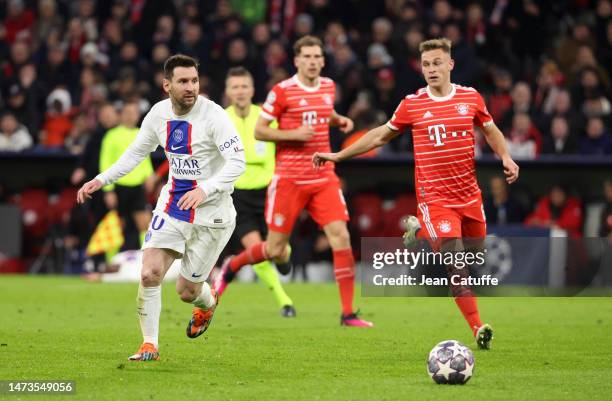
pixel 340 238
pixel 151 275
pixel 187 295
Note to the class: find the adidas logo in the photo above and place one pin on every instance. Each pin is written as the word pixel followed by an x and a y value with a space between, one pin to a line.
pixel 427 114
pixel 303 102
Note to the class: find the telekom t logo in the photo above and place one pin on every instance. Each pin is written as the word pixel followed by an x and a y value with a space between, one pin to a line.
pixel 309 118
pixel 437 133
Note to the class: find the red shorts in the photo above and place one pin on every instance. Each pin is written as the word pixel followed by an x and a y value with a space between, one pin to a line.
pixel 445 222
pixel 286 198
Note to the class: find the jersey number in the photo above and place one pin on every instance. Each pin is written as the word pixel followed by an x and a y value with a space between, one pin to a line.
pixel 309 118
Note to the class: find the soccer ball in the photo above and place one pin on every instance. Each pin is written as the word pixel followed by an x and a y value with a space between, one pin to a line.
pixel 450 362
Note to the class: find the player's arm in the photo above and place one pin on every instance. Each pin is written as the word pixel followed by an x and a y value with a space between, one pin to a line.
pixel 146 141
pixel 496 140
pixel 264 132
pixel 374 138
pixel 344 123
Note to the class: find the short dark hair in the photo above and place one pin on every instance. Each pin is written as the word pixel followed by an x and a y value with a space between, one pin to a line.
pixel 178 60
pixel 433 44
pixel 239 71
pixel 306 41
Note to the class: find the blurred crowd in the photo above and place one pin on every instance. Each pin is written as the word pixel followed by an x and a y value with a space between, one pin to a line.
pixel 543 66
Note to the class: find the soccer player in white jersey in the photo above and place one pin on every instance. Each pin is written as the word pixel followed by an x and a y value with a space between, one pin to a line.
pixel 442 116
pixel 194 217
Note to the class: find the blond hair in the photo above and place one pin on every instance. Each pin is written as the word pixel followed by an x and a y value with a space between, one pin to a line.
pixel 433 44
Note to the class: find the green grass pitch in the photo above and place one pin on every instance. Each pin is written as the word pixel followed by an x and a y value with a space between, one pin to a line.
pixel 64 328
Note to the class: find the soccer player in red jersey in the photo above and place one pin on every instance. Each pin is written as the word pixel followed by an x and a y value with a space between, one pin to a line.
pixel 442 116
pixel 304 108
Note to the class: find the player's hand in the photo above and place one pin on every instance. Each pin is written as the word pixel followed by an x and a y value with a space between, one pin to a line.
pixel 110 200
pixel 191 199
pixel 87 189
pixel 319 159
pixel 511 169
pixel 345 124
pixel 302 134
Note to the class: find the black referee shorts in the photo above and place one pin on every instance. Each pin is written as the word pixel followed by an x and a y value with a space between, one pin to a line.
pixel 130 200
pixel 250 206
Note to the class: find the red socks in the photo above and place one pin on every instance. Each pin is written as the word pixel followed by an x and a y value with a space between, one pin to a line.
pixel 469 308
pixel 344 270
pixel 253 254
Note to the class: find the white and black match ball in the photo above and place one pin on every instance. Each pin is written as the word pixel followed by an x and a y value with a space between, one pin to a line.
pixel 450 362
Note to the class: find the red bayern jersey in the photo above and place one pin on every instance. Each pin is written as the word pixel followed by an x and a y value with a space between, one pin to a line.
pixel 293 105
pixel 443 137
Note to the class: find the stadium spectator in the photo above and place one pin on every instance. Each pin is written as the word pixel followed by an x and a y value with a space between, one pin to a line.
pixel 561 139
pixel 23 97
pixel 58 121
pixel 500 206
pixel 500 101
pixel 20 55
pixel 558 210
pixel 78 135
pixel 76 37
pixel 85 12
pixel 597 139
pixel 14 137
pixel 304 25
pixel 567 49
pixel 48 19
pixel 562 107
pixel 387 94
pixel 590 96
pixel 521 103
pixel 476 28
pixel 194 43
pixel 91 57
pixel 524 141
pixel 467 67
pixel 18 21
pixel 548 87
pixel 111 38
pixel 55 71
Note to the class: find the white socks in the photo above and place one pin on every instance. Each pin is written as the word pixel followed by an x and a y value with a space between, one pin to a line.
pixel 205 300
pixel 149 308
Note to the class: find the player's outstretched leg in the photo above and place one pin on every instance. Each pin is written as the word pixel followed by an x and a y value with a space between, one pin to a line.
pixel 205 305
pixel 147 352
pixel 484 335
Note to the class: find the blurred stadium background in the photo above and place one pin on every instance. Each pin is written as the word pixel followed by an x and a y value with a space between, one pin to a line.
pixel 543 66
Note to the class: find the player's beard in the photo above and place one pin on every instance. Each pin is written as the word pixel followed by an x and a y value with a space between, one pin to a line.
pixel 182 103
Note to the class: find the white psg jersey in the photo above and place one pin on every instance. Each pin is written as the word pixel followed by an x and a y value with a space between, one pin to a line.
pixel 202 148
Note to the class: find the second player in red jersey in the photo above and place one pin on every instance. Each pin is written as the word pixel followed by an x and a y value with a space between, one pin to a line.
pixel 442 116
pixel 304 108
